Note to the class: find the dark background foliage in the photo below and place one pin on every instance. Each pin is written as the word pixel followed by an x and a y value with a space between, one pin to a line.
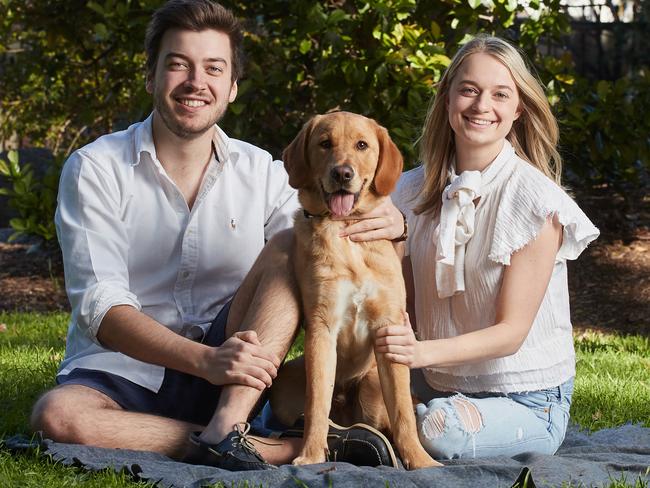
pixel 72 70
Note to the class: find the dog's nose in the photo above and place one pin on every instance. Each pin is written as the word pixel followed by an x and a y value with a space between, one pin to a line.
pixel 342 173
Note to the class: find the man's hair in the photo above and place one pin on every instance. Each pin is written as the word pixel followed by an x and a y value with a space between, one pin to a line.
pixel 194 15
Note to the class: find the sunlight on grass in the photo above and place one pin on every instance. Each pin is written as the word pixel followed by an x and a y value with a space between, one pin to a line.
pixel 612 380
pixel 31 471
pixel 612 388
pixel 30 351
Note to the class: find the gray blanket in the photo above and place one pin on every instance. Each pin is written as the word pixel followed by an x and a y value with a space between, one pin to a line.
pixel 596 459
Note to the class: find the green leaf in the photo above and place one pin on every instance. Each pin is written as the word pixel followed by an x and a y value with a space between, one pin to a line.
pixel 511 19
pixel 18 225
pixel 12 156
pixel 602 88
pixel 474 3
pixel 439 59
pixel 96 7
pixel 305 46
pixel 566 79
pixel 237 108
pixel 4 169
pixel 101 31
pixel 337 16
pixel 435 29
pixel 466 38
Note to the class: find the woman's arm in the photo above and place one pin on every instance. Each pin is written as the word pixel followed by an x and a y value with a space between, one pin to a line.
pixel 522 290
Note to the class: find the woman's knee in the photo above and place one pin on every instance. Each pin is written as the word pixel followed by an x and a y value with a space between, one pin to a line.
pixel 446 426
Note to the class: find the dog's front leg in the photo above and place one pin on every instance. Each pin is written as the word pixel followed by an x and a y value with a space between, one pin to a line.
pixel 395 387
pixel 320 367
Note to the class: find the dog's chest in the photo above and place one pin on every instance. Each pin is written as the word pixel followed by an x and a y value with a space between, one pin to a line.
pixel 351 317
pixel 345 280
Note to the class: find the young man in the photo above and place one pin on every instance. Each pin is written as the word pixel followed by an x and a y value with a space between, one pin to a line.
pixel 163 228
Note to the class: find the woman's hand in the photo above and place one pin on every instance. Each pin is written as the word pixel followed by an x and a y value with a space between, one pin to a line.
pixel 383 222
pixel 399 344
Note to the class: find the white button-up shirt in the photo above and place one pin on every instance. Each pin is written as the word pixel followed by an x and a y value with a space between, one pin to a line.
pixel 129 238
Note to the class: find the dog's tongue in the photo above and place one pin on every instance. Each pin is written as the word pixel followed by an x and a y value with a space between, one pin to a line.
pixel 341 204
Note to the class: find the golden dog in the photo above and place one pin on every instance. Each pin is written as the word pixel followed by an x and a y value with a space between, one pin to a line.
pixel 343 164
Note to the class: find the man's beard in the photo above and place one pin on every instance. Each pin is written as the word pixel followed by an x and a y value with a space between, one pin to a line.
pixel 176 127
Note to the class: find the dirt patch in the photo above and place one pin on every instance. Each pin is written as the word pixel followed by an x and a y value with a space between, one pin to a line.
pixel 609 284
pixel 31 279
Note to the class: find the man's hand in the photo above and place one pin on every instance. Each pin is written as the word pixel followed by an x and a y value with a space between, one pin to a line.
pixel 399 344
pixel 241 360
pixel 383 222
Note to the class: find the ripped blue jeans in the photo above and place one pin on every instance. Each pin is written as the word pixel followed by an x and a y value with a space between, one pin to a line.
pixel 461 426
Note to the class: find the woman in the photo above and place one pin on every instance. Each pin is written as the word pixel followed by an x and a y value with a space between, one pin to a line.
pixel 490 231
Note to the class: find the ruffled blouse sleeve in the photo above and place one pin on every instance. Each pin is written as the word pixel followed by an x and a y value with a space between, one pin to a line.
pixel 528 199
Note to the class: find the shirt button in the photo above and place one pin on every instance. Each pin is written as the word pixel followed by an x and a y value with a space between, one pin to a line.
pixel 185 274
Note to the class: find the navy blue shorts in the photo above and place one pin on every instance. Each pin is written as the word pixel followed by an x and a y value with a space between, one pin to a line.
pixel 181 395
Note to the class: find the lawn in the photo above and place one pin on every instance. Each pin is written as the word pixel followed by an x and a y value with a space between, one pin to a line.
pixel 612 388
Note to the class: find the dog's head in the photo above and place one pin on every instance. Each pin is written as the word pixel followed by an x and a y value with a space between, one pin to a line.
pixel 341 163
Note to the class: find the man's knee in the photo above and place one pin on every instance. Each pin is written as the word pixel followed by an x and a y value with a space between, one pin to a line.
pixel 60 413
pixel 49 414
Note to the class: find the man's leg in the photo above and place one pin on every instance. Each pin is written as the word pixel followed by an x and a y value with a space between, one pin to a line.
pixel 81 415
pixel 268 303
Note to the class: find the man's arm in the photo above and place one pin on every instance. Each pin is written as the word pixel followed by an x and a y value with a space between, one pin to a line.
pixel 96 246
pixel 239 360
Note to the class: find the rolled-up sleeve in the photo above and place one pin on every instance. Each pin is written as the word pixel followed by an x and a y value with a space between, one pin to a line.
pixel 93 241
pixel 282 200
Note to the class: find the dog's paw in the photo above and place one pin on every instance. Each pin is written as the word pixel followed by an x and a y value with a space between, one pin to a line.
pixel 302 460
pixel 311 455
pixel 420 460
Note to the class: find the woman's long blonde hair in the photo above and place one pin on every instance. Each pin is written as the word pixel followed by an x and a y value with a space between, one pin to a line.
pixel 534 135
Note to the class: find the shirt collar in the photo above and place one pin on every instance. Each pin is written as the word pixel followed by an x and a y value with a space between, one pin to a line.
pixel 143 143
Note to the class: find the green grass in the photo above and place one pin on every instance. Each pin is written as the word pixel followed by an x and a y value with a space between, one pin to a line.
pixel 612 388
pixel 612 380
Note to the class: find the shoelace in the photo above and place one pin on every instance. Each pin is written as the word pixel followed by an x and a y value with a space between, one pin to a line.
pixel 241 439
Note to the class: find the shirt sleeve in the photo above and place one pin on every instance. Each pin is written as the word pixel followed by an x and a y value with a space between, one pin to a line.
pixel 93 241
pixel 528 200
pixel 282 200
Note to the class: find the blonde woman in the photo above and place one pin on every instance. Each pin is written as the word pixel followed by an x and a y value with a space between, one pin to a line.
pixel 490 232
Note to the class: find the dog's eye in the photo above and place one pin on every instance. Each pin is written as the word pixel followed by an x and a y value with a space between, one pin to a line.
pixel 362 145
pixel 325 144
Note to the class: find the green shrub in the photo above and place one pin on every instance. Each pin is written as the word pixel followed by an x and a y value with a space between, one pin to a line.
pixel 380 58
pixel 34 199
pixel 605 134
pixel 82 64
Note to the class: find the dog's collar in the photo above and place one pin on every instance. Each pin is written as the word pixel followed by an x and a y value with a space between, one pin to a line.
pixel 310 216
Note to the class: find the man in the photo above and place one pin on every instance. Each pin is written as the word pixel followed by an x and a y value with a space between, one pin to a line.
pixel 161 226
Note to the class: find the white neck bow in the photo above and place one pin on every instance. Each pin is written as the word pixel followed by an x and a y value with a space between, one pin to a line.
pixel 456 225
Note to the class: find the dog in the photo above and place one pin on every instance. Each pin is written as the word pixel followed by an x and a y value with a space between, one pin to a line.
pixel 342 164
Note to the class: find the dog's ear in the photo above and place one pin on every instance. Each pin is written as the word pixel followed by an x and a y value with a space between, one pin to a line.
pixel 389 167
pixel 296 156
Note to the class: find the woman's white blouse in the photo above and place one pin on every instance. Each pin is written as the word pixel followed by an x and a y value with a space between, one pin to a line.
pixel 513 207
